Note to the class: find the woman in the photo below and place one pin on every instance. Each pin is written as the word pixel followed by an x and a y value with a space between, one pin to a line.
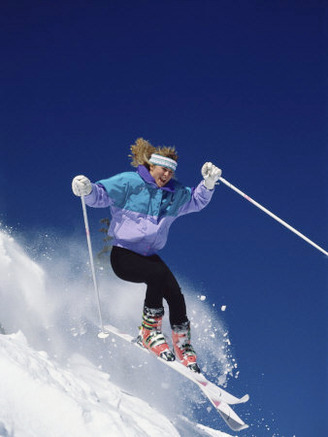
pixel 143 206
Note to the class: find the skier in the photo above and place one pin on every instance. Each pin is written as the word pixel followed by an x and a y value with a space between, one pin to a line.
pixel 143 205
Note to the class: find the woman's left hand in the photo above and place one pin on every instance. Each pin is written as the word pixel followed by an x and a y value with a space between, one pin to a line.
pixel 211 175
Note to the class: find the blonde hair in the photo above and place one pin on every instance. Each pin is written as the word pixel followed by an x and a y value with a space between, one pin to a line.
pixel 142 150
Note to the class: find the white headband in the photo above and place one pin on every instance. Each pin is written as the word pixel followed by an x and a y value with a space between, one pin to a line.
pixel 163 161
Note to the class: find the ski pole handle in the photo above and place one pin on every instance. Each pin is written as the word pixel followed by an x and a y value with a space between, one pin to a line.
pixel 282 222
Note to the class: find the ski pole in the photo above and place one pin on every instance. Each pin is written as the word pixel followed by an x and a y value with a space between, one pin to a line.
pixel 103 333
pixel 282 222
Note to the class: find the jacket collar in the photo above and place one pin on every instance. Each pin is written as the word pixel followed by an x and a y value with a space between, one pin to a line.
pixel 147 177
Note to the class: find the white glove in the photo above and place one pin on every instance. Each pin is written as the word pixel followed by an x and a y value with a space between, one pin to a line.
pixel 211 174
pixel 81 186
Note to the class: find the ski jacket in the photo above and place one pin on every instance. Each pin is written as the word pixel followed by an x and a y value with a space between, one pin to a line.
pixel 142 212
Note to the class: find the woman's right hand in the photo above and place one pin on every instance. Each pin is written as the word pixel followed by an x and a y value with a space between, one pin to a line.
pixel 81 186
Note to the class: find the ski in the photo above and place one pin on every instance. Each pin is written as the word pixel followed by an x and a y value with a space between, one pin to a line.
pixel 219 398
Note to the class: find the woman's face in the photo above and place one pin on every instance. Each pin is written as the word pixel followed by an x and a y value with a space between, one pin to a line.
pixel 162 175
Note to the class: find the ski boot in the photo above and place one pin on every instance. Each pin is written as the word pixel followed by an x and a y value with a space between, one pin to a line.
pixel 182 347
pixel 151 336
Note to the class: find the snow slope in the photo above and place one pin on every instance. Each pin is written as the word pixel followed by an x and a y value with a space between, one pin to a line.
pixel 59 379
pixel 43 399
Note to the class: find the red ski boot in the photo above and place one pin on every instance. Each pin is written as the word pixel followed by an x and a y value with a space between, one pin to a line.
pixel 182 347
pixel 151 336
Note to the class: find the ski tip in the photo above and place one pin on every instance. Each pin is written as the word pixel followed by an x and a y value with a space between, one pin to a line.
pixel 242 427
pixel 244 398
pixel 232 419
pixel 245 426
pixel 235 401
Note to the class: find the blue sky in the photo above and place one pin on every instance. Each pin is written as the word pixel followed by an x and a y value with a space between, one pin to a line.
pixel 241 84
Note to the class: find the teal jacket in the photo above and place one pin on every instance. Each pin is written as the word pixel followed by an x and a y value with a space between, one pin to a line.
pixel 142 213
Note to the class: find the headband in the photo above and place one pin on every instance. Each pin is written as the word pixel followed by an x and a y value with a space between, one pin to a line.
pixel 163 161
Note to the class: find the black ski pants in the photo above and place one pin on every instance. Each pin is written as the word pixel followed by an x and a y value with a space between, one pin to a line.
pixel 161 283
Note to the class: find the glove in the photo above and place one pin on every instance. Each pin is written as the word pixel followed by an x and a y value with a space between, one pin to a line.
pixel 211 174
pixel 81 186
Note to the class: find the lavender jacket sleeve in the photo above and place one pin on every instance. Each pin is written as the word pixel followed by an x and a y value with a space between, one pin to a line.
pixel 200 197
pixel 98 198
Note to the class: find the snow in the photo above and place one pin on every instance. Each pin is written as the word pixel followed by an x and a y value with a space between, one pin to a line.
pixel 44 399
pixel 59 379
